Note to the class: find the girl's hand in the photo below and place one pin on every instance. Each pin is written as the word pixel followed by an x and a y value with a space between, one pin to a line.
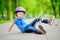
pixel 9 29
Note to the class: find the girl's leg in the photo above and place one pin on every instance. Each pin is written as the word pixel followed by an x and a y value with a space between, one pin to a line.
pixel 30 29
pixel 45 21
pixel 48 21
pixel 33 22
pixel 36 20
pixel 35 30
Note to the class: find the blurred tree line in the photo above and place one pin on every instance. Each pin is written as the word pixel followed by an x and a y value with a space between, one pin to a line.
pixel 34 8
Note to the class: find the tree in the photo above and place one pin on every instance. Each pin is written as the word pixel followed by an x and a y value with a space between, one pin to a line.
pixel 53 2
pixel 7 9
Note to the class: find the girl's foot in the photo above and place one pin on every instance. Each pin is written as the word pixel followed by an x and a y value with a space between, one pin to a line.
pixel 51 21
pixel 42 30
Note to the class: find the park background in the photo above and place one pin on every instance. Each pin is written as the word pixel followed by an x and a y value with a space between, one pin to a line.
pixel 34 8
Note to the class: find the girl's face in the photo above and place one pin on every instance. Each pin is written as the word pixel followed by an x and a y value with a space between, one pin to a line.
pixel 20 15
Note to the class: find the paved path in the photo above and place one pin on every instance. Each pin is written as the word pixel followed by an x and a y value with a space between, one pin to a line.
pixel 53 32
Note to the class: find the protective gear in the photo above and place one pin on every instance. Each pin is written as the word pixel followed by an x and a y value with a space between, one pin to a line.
pixel 20 9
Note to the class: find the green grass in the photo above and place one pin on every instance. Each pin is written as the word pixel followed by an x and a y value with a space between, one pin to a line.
pixel 57 16
pixel 4 21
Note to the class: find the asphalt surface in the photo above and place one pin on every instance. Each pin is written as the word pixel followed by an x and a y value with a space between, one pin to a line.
pixel 53 32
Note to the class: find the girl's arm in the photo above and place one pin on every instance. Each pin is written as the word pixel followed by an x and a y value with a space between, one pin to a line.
pixel 11 27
